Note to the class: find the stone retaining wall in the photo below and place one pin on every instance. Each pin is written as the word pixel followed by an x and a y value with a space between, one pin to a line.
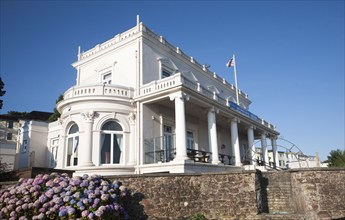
pixel 300 194
pixel 320 193
pixel 309 194
pixel 177 196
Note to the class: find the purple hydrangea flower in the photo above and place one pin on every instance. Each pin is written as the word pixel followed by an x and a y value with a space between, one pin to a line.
pixel 85 213
pixel 63 213
pixel 71 211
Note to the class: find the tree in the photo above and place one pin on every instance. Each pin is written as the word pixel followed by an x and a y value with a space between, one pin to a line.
pixel 336 158
pixel 56 113
pixel 2 92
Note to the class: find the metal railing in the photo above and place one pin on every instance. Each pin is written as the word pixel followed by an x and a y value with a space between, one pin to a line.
pixel 159 149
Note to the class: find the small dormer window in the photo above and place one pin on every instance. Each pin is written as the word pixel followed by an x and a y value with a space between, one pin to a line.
pixel 166 73
pixel 106 78
pixel 167 67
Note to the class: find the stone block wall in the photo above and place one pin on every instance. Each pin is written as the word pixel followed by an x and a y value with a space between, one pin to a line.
pixel 177 196
pixel 320 193
pixel 310 194
pixel 278 190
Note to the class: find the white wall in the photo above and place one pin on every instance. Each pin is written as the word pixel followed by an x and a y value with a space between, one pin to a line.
pixel 121 61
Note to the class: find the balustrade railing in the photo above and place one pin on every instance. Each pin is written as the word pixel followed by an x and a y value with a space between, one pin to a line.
pixel 98 89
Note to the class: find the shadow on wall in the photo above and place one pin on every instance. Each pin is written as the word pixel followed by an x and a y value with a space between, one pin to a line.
pixel 261 193
pixel 133 207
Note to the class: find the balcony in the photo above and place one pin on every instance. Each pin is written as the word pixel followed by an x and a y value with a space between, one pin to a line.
pixel 180 79
pixel 98 90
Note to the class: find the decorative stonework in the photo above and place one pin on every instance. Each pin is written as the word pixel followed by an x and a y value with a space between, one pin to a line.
pixel 88 115
pixel 132 117
pixel 180 95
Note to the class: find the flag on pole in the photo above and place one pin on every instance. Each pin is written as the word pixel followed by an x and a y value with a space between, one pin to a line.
pixel 231 62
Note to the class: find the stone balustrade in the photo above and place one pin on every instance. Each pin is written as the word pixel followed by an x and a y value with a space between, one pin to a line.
pixel 98 90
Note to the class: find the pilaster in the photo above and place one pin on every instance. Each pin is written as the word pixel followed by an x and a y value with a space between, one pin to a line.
pixel 86 155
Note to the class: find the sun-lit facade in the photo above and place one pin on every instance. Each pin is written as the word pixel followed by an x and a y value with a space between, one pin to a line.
pixel 141 105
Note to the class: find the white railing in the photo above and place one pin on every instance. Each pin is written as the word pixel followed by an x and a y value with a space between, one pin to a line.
pixel 160 85
pixel 178 79
pixel 97 90
pixel 109 43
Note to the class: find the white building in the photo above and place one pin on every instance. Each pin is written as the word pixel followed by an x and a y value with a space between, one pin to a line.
pixel 141 105
pixel 23 139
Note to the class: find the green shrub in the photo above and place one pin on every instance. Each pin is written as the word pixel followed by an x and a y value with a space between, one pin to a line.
pixel 197 217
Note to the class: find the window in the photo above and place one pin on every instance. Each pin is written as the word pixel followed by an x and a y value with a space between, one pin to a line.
pixel 10 124
pixel 54 150
pixel 166 67
pixel 25 146
pixel 106 78
pixel 165 73
pixel 72 145
pixel 111 143
pixel 168 143
pixel 9 136
pixel 190 140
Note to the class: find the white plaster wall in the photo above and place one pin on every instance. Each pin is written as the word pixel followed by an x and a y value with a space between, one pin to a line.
pixel 8 154
pixel 54 132
pixel 154 51
pixel 121 61
pixel 38 142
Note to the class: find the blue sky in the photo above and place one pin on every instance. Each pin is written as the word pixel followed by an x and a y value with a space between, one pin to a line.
pixel 289 54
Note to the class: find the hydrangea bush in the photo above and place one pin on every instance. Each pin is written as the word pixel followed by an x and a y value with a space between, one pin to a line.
pixel 61 197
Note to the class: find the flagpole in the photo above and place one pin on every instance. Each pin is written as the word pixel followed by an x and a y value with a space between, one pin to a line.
pixel 237 100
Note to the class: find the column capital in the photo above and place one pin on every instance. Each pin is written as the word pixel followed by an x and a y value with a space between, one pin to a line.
pixel 213 109
pixel 88 115
pixel 132 118
pixel 274 137
pixel 179 95
pixel 251 127
pixel 235 119
pixel 263 133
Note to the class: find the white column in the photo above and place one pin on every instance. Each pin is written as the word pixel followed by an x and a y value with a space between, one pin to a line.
pixel 212 135
pixel 251 146
pixel 235 142
pixel 132 148
pixel 180 129
pixel 275 152
pixel 85 152
pixel 264 149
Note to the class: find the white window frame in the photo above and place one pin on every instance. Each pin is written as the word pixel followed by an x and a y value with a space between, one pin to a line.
pixel 107 80
pixel 75 142
pixel 190 140
pixel 54 147
pixel 112 134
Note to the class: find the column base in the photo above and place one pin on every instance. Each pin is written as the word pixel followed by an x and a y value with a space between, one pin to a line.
pixel 180 159
pixel 238 164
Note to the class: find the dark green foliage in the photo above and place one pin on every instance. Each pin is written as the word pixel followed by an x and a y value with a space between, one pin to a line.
pixel 56 114
pixel 197 217
pixel 2 91
pixel 336 158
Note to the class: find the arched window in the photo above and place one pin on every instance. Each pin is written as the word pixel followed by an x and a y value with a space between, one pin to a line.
pixel 72 145
pixel 111 143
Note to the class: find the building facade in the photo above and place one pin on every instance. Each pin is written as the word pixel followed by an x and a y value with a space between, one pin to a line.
pixel 23 139
pixel 141 105
pixel 8 141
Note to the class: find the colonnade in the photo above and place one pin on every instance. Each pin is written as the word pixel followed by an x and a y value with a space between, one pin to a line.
pixel 181 148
